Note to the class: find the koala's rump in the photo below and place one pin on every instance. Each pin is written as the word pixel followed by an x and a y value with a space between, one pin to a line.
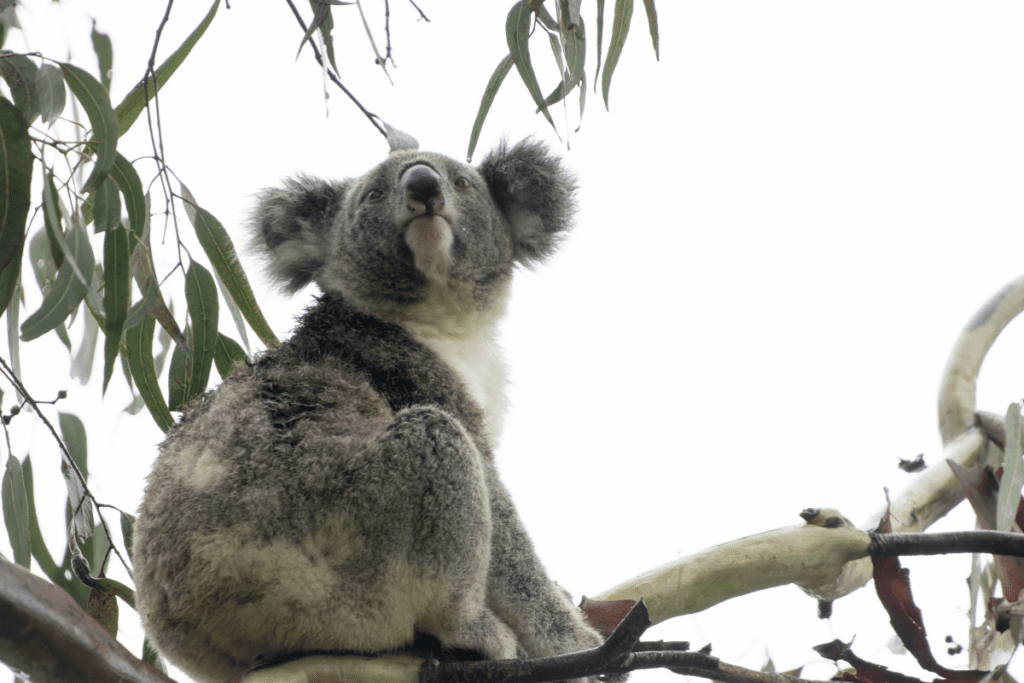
pixel 270 525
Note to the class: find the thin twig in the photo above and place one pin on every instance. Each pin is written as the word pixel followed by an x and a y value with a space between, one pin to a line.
pixel 6 370
pixel 374 119
pixel 419 10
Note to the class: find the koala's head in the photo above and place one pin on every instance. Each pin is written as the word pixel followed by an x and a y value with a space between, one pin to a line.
pixel 419 228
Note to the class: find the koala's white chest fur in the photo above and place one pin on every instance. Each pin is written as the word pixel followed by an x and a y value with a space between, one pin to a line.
pixel 468 343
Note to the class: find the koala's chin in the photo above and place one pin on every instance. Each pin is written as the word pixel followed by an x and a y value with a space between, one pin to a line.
pixel 338 493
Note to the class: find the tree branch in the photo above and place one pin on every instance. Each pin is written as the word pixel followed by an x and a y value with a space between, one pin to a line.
pixel 46 636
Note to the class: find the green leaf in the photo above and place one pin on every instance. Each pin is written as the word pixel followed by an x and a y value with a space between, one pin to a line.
pixel 504 66
pixel 51 218
pixel 104 55
pixel 135 101
pixel 96 102
pixel 106 205
pixel 81 364
pixel 1013 472
pixel 652 22
pixel 16 515
pixel 102 607
pixel 139 349
pixel 116 287
pixel 15 195
pixel 600 39
pixel 12 334
pixel 221 252
pixel 39 549
pixel 143 307
pixel 67 291
pixel 73 434
pixel 574 42
pixel 50 91
pixel 620 29
pixel 517 33
pixel 227 354
pixel 20 73
pixel 127 531
pixel 128 182
pixel 176 378
pixel 203 309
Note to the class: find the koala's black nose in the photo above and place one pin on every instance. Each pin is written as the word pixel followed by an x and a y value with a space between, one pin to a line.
pixel 422 187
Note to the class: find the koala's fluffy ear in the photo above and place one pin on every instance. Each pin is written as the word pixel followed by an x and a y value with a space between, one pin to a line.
pixel 292 226
pixel 536 193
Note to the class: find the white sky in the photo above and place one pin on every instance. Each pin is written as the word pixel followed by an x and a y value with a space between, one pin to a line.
pixel 784 225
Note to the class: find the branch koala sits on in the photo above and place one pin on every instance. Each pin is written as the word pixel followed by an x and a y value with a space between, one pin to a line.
pixel 339 493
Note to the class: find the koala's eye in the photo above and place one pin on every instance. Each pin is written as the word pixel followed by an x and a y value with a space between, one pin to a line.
pixel 463 183
pixel 373 196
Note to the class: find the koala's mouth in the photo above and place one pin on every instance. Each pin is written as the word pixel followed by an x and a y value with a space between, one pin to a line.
pixel 429 237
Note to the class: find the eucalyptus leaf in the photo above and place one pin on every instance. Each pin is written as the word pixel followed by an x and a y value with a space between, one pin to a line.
pixel 517 33
pixel 15 196
pixel 135 101
pixel 51 93
pixel 504 66
pixel 139 349
pixel 620 29
pixel 221 252
pixel 68 290
pixel 96 102
pixel 16 515
pixel 20 73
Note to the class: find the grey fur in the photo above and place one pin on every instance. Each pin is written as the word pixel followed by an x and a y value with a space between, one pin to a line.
pixel 339 493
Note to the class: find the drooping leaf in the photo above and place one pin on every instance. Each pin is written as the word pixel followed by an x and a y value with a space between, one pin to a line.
pixel 139 347
pixel 128 182
pixel 1013 472
pixel 51 93
pixel 236 314
pixel 81 364
pixel 39 549
pixel 574 43
pixel 203 309
pixel 104 55
pixel 144 272
pixel 96 102
pixel 600 40
pixel 221 252
pixel 504 66
pixel 517 33
pixel 135 101
pixel 73 434
pixel 51 218
pixel 227 354
pixel 20 73
pixel 127 530
pixel 15 505
pixel 12 334
pixel 620 29
pixel 102 607
pixel 15 195
pixel 117 285
pixel 67 291
pixel 652 22
pixel 177 380
pixel 106 205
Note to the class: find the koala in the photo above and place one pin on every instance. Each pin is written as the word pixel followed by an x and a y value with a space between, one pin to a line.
pixel 339 493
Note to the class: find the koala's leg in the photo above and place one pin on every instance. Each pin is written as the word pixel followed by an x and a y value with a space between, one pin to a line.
pixel 540 613
pixel 430 467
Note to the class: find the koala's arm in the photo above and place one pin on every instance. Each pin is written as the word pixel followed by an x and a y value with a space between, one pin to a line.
pixel 539 612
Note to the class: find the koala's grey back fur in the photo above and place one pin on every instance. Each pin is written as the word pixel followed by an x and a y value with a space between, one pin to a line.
pixel 339 493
